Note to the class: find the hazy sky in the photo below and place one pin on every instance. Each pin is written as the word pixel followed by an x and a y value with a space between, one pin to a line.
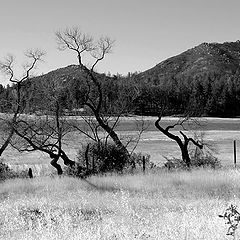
pixel 146 31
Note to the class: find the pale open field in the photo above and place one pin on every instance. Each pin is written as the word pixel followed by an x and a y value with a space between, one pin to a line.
pixel 220 133
pixel 160 206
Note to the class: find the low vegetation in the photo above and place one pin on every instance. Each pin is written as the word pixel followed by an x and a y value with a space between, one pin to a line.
pixel 96 158
pixel 100 157
pixel 161 205
pixel 7 173
pixel 197 161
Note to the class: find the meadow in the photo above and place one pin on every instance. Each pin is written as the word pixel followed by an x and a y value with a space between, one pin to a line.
pixel 161 205
pixel 158 205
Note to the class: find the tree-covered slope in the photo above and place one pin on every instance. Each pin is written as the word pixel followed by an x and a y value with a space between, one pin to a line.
pixel 207 58
pixel 204 80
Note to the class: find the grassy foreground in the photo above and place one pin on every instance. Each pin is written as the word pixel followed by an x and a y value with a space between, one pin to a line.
pixel 183 205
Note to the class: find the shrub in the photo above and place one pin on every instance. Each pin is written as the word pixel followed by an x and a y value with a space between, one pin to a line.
pixel 202 158
pixel 137 160
pixel 232 217
pixel 77 171
pixel 7 173
pixel 197 160
pixel 100 157
pixel 206 161
pixel 174 163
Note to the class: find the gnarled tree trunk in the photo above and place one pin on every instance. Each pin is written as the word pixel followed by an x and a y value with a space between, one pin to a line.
pixel 55 164
pixel 183 144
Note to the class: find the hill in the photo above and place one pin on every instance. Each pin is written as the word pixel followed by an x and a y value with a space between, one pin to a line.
pixel 202 81
pixel 206 58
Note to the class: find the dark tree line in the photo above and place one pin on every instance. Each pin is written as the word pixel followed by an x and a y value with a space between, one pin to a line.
pixel 204 95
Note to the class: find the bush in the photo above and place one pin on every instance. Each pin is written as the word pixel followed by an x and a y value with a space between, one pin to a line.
pixel 7 173
pixel 98 157
pixel 206 161
pixel 200 158
pixel 197 160
pixel 174 163
pixel 137 160
pixel 77 171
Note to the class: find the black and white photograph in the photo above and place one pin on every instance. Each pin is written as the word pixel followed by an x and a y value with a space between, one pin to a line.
pixel 120 120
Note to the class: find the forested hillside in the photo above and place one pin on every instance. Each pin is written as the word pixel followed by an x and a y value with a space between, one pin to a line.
pixel 203 81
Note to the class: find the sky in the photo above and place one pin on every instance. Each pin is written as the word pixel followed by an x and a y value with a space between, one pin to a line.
pixel 146 32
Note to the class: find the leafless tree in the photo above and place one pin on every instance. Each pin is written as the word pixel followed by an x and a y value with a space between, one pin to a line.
pixel 45 133
pixel 183 142
pixel 82 44
pixel 7 68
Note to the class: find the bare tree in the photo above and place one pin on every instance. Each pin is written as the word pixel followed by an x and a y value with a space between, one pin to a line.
pixel 73 39
pixel 45 133
pixel 7 67
pixel 183 142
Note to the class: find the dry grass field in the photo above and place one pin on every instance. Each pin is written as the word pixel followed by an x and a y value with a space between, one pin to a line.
pixel 160 205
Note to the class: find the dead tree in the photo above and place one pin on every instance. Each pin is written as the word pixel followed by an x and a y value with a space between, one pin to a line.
pixel 34 134
pixel 41 135
pixel 183 142
pixel 80 43
pixel 45 133
pixel 6 67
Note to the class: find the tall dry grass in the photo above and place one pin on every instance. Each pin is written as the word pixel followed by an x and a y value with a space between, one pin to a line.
pixel 180 205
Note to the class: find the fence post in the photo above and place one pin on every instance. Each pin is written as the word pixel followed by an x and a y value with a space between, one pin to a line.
pixel 30 173
pixel 144 164
pixel 235 153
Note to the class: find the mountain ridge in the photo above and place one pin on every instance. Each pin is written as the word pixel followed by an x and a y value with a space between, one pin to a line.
pixel 220 58
pixel 205 58
pixel 203 80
